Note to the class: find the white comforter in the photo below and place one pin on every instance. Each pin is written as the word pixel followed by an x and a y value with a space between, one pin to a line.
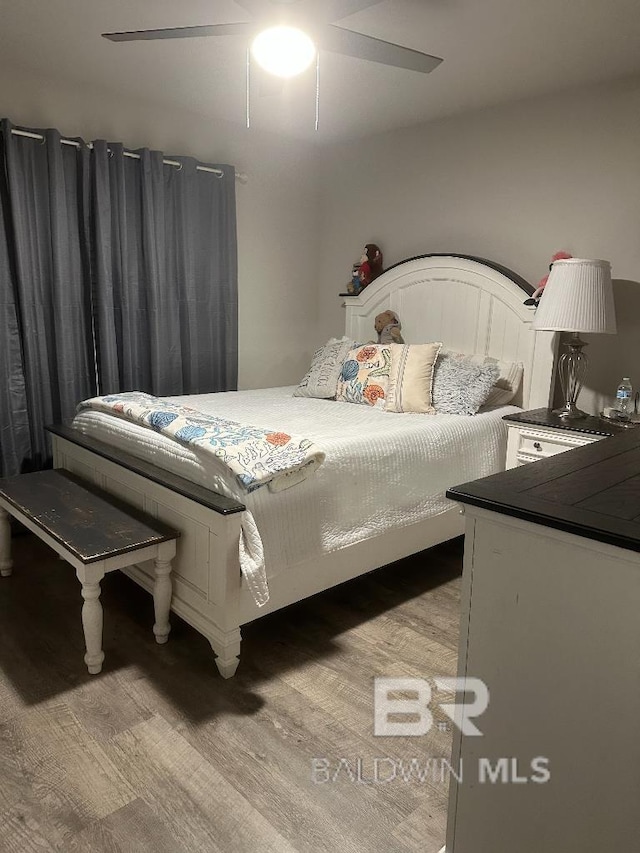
pixel 382 470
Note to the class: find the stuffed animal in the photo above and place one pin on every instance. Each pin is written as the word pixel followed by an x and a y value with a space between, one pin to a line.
pixel 388 326
pixel 354 287
pixel 370 265
pixel 537 293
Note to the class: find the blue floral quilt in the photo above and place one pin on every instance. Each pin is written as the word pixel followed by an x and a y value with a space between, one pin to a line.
pixel 255 456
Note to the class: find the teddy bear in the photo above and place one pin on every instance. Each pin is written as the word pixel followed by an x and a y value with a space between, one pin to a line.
pixel 537 293
pixel 388 326
pixel 370 265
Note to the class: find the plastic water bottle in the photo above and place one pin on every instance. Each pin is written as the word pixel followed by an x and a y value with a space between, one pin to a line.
pixel 623 397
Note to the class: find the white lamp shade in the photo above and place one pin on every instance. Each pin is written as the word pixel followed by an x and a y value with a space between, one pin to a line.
pixel 578 297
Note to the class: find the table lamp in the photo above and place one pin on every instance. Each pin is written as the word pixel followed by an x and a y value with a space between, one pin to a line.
pixel 578 297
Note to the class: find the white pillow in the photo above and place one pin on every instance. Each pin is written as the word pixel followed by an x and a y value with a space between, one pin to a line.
pixel 460 384
pixel 321 380
pixel 509 378
pixel 411 377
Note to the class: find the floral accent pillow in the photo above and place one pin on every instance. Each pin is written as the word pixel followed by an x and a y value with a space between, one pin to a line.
pixel 365 375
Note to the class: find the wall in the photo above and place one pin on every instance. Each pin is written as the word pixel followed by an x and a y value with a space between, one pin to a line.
pixel 277 208
pixel 512 184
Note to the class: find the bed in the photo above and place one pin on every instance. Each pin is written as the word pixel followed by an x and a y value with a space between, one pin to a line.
pixel 378 497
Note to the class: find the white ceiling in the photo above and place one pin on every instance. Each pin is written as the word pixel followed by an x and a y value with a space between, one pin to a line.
pixel 494 51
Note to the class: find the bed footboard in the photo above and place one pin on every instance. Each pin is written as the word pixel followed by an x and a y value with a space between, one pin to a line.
pixel 208 589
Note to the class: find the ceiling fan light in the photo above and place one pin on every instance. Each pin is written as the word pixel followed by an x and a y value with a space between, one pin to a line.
pixel 283 51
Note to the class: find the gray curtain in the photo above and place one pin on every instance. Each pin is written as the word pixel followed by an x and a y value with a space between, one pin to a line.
pixel 15 438
pixel 45 290
pixel 115 274
pixel 165 273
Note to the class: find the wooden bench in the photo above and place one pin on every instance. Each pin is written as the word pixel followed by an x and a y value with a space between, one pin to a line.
pixel 96 533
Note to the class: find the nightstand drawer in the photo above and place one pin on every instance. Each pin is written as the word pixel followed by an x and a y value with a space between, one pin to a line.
pixel 525 458
pixel 535 444
pixel 540 434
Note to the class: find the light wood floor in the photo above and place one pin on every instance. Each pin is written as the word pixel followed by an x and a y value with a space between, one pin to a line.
pixel 160 754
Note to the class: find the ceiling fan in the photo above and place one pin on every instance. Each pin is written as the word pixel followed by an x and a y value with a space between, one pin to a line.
pixel 315 17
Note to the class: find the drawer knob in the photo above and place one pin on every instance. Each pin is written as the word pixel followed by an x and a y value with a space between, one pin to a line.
pixel 537 445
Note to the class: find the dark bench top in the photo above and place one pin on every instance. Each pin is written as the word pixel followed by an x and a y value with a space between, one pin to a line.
pixel 91 524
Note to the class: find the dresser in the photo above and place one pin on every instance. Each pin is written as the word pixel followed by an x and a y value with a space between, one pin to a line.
pixel 539 433
pixel 551 624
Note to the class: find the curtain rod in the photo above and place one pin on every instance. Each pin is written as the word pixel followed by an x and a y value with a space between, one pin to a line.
pixel 242 177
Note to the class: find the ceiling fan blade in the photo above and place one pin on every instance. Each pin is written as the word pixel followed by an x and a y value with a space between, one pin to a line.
pixel 257 8
pixel 338 40
pixel 337 9
pixel 265 10
pixel 182 32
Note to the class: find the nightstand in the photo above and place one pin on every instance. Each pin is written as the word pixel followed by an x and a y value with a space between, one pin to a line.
pixel 538 434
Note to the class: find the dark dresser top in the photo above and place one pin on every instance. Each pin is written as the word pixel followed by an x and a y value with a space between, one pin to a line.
pixel 591 491
pixel 545 418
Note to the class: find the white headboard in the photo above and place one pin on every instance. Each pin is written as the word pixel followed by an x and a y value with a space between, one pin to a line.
pixel 467 304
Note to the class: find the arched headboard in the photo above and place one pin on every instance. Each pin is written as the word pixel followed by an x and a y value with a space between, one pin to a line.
pixel 470 305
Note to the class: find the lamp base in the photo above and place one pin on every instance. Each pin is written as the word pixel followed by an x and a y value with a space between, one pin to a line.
pixel 572 368
pixel 570 412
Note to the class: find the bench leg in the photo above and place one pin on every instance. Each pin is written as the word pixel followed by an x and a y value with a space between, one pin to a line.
pixel 162 592
pixel 90 578
pixel 5 544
